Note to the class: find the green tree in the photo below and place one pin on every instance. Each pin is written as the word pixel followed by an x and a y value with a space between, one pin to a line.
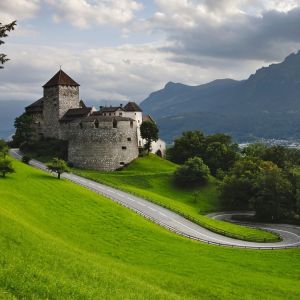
pixel 188 145
pixel 23 129
pixel 193 172
pixel 3 148
pixel 274 199
pixel 149 132
pixel 238 187
pixel 58 166
pixel 257 150
pixel 4 29
pixel 6 166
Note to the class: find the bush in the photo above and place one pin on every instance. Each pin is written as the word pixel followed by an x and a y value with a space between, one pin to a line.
pixel 193 172
pixel 26 159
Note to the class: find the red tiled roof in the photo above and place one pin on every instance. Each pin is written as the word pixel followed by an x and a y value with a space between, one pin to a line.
pixel 61 78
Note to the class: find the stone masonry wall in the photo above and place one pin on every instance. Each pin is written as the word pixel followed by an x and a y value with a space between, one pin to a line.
pixel 104 148
pixel 57 101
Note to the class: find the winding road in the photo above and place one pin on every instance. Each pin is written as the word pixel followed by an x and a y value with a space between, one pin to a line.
pixel 290 234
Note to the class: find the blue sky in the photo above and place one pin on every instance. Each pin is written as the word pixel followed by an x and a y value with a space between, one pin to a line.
pixel 126 49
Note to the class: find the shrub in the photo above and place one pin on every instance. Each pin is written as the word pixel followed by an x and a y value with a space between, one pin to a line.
pixel 26 159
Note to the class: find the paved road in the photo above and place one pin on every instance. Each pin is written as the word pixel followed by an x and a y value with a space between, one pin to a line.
pixel 169 219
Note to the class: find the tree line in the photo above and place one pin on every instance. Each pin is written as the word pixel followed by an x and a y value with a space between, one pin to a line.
pixel 259 177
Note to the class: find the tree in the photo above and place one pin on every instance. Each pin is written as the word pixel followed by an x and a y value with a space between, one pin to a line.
pixel 238 187
pixel 274 199
pixel 58 166
pixel 193 172
pixel 3 33
pixel 6 166
pixel 149 132
pixel 190 144
pixel 3 149
pixel 23 129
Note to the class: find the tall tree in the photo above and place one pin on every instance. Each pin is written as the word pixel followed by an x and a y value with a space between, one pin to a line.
pixel 23 129
pixel 3 34
pixel 149 132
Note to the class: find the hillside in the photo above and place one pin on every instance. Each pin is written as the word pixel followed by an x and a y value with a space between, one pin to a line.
pixel 60 241
pixel 244 109
pixel 151 178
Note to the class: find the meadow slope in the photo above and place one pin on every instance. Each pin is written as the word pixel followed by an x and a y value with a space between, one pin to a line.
pixel 61 241
pixel 151 177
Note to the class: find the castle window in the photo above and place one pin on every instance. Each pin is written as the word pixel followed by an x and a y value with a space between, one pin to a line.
pixel 124 147
pixel 120 114
pixel 131 124
pixel 122 163
pixel 96 124
pixel 115 123
pixel 110 114
pixel 129 139
pixel 80 125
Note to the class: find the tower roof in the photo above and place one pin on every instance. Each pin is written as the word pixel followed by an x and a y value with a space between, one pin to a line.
pixel 132 106
pixel 61 78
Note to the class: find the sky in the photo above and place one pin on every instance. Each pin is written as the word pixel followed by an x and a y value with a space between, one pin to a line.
pixel 125 49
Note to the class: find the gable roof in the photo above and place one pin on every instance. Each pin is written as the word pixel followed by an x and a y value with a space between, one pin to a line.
pixel 61 78
pixel 35 107
pixel 132 106
pixel 148 118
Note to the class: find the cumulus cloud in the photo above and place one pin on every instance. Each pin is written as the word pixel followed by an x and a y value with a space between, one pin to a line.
pixel 85 13
pixel 18 9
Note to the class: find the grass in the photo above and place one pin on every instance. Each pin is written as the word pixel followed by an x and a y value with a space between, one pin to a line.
pixel 61 241
pixel 142 178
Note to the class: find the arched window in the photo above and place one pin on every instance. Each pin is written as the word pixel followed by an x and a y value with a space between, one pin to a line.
pixel 115 123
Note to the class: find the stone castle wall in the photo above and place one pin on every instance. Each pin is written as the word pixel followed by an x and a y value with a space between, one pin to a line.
pixel 102 148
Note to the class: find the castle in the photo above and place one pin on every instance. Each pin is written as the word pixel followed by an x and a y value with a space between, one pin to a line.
pixel 104 139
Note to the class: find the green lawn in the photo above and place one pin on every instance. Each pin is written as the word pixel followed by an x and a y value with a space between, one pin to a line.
pixel 150 177
pixel 61 241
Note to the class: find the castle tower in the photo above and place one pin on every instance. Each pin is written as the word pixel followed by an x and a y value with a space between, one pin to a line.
pixel 61 93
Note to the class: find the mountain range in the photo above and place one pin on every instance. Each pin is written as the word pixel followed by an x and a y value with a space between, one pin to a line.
pixel 266 105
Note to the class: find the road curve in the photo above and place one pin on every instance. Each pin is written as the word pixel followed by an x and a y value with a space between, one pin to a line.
pixel 169 219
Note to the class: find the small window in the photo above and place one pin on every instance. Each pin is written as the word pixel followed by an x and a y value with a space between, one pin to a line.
pixel 122 163
pixel 124 147
pixel 80 125
pixel 110 114
pixel 135 114
pixel 120 114
pixel 129 139
pixel 115 123
pixel 131 124
pixel 96 124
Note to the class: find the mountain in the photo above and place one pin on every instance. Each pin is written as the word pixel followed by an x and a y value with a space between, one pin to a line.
pixel 266 105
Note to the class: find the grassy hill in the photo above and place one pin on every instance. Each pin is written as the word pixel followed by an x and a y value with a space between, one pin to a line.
pixel 61 241
pixel 150 177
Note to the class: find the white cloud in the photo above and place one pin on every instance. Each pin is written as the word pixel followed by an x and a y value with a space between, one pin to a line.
pixel 85 13
pixel 119 73
pixel 18 9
